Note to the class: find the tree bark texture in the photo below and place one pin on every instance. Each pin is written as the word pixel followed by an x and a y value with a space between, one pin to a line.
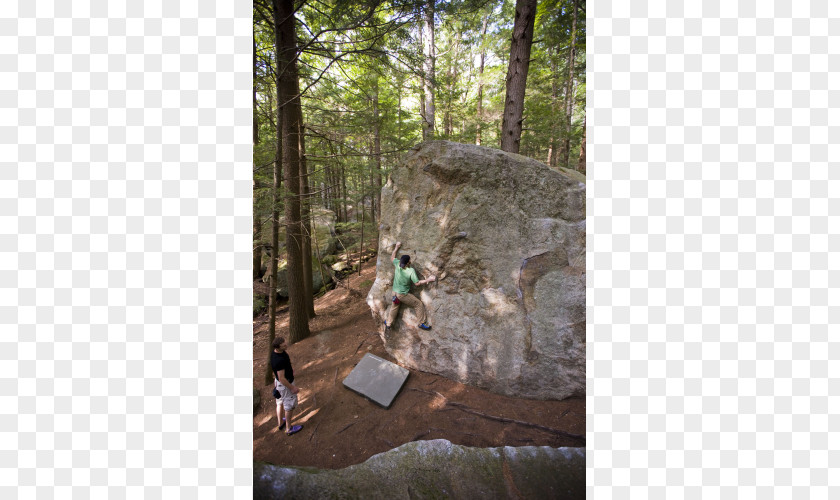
pixel 256 263
pixel 520 55
pixel 306 222
pixel 290 119
pixel 275 222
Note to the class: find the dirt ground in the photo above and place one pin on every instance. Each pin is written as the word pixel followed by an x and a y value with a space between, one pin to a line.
pixel 342 428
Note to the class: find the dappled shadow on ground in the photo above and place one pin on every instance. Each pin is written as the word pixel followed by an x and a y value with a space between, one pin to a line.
pixel 341 428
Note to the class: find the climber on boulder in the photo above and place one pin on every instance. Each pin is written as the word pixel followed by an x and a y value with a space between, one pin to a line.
pixel 404 276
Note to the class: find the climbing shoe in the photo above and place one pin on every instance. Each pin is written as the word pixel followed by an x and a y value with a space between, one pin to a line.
pixel 424 326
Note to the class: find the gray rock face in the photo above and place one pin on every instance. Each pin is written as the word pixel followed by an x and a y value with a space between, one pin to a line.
pixel 436 469
pixel 506 237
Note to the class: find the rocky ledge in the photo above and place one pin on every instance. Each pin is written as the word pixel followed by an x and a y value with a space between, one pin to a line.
pixel 436 469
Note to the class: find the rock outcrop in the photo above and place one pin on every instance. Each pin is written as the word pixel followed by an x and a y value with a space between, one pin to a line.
pixel 436 469
pixel 506 237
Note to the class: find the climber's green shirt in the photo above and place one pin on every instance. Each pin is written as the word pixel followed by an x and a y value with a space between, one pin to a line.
pixel 403 278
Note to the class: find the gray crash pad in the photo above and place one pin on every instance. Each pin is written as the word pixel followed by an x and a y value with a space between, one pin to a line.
pixel 376 379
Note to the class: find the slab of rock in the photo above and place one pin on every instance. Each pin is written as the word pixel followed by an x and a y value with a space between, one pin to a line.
pixel 436 469
pixel 506 237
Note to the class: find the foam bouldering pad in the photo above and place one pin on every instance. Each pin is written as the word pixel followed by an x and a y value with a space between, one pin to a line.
pixel 377 379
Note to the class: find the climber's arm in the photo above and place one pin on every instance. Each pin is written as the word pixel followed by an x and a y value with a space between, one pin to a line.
pixel 427 280
pixel 394 253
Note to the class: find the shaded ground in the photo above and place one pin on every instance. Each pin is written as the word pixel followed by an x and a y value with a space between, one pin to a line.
pixel 341 428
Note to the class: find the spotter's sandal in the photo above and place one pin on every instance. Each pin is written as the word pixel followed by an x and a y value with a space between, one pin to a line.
pixel 294 429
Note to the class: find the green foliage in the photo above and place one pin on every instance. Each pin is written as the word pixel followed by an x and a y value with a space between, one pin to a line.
pixel 347 227
pixel 259 304
pixel 360 76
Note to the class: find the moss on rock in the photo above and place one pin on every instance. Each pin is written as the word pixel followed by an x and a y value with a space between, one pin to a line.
pixel 436 469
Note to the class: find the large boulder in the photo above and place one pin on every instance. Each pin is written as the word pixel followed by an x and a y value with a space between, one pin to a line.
pixel 323 224
pixel 435 469
pixel 506 237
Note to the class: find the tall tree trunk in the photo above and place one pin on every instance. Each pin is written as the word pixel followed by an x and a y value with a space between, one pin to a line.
pixel 450 91
pixel 306 219
pixel 326 201
pixel 399 116
pixel 256 128
pixel 333 184
pixel 582 157
pixel 520 56
pixel 570 100
pixel 479 112
pixel 276 197
pixel 377 152
pixel 422 97
pixel 270 113
pixel 372 186
pixel 275 225
pixel 362 184
pixel 284 21
pixel 345 217
pixel 272 265
pixel 256 263
pixel 306 222
pixel 554 140
pixel 429 69
pixel 275 243
pixel 423 115
pixel 452 76
pixel 362 237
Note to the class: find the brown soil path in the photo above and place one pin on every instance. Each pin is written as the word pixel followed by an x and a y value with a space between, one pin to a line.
pixel 341 428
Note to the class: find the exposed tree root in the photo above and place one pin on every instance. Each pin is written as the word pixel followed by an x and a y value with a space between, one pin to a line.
pixel 467 409
pixel 512 421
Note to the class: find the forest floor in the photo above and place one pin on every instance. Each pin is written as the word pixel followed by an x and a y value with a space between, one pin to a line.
pixel 342 428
